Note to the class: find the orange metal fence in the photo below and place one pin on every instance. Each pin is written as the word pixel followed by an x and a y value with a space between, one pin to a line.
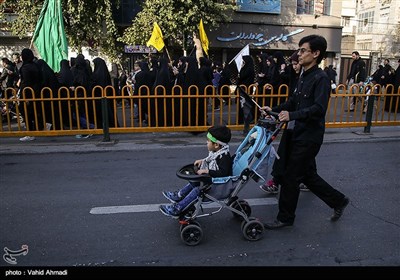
pixel 103 111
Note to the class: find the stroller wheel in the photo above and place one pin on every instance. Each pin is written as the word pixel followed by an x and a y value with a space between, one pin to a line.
pixel 253 230
pixel 244 222
pixel 191 234
pixel 242 206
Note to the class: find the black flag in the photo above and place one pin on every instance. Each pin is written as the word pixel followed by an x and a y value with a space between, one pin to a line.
pixel 247 105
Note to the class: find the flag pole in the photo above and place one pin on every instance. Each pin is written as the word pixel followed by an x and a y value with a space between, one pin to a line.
pixel 166 49
pixel 192 51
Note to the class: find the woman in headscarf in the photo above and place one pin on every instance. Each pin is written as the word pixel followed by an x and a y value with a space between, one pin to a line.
pixel 101 77
pixel 159 106
pixel 49 79
pixel 193 78
pixel 246 78
pixel 83 78
pixel 179 75
pixel 65 79
pixel 30 78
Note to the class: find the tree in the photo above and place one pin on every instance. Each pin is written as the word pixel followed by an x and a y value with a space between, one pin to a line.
pixel 87 23
pixel 178 20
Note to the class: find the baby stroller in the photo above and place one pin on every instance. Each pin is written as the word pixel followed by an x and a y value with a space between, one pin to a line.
pixel 223 191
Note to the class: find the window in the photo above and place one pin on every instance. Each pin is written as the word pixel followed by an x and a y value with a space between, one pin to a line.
pixel 365 22
pixel 305 7
pixel 345 21
pixel 327 7
pixel 310 7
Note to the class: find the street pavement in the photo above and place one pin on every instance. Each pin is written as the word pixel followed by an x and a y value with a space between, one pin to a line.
pixel 64 212
pixel 143 141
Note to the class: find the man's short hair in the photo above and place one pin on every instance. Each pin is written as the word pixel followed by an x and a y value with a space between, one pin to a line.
pixel 317 43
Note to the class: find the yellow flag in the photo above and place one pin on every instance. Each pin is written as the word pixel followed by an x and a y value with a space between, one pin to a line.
pixel 203 37
pixel 156 39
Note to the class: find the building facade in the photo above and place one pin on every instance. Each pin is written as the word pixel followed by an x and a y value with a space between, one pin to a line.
pixel 270 26
pixel 371 27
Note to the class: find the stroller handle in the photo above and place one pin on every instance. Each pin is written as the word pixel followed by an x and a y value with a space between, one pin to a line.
pixel 271 113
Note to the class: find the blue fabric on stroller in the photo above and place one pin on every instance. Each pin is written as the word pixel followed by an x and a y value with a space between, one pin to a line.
pixel 250 154
pixel 254 151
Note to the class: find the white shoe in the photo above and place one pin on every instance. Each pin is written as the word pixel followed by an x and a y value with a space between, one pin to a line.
pixel 27 138
pixel 83 136
pixel 48 126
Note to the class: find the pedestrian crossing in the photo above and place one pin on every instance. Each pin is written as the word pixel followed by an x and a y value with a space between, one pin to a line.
pixel 105 210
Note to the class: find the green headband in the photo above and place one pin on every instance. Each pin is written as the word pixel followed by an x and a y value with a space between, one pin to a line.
pixel 213 139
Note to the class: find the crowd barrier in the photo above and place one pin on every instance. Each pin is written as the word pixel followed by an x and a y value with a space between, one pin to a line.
pixel 104 111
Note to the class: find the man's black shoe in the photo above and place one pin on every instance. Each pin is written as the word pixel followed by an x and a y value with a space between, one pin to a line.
pixel 276 224
pixel 338 211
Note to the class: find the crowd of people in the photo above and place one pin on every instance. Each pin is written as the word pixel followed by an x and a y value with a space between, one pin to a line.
pixel 76 76
pixel 384 75
pixel 157 76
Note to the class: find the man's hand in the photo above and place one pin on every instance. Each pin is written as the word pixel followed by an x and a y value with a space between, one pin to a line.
pixel 284 116
pixel 264 110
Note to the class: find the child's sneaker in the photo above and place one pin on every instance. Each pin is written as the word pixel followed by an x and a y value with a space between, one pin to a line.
pixel 172 196
pixel 303 188
pixel 270 187
pixel 170 210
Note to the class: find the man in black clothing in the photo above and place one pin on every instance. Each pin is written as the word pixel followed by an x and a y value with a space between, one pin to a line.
pixel 8 77
pixel 387 73
pixel 305 110
pixel 357 75
pixel 397 78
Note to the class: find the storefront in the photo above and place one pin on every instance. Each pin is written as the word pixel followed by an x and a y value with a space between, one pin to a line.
pixel 229 39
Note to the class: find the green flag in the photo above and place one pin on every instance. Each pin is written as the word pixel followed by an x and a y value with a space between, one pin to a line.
pixel 49 36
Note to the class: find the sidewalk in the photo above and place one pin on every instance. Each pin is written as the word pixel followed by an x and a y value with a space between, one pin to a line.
pixel 143 141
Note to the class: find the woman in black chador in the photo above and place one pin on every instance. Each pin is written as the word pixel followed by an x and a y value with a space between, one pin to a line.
pixel 197 110
pixel 101 77
pixel 159 106
pixel 246 77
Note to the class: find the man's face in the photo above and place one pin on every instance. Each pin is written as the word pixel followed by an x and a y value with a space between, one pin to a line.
pixel 354 56
pixel 306 55
pixel 15 58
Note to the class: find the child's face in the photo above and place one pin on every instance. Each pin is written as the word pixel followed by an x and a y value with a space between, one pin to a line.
pixel 212 147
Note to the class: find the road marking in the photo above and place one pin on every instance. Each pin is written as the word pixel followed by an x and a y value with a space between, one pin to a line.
pixel 155 207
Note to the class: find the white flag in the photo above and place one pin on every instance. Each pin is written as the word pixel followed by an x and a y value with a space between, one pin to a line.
pixel 238 57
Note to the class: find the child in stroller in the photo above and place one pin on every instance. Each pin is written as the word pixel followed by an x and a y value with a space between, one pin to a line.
pixel 217 164
pixel 223 191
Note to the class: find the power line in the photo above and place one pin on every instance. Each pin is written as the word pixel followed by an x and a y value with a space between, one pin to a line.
pixel 358 20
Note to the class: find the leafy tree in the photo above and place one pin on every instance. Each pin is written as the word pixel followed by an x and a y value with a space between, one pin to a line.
pixel 87 23
pixel 178 19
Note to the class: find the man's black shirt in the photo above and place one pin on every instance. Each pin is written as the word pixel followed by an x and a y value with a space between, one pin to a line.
pixel 308 105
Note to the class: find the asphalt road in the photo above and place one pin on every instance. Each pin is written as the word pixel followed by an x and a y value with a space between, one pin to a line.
pixel 99 209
